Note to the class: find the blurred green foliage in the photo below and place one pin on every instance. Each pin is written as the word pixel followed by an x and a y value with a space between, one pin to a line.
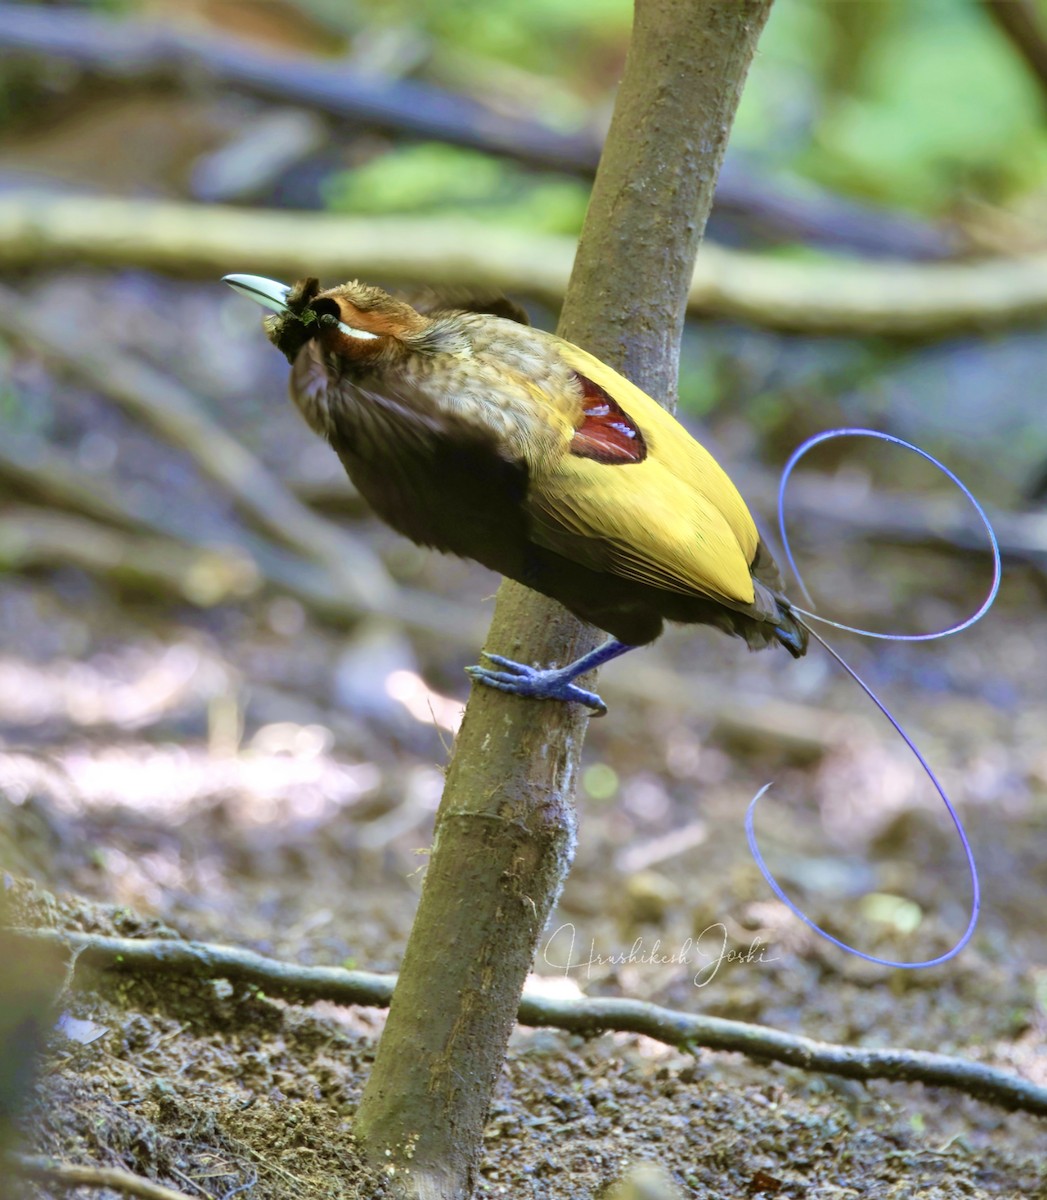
pixel 914 105
pixel 436 178
pixel 918 106
pixel 109 7
pixel 540 35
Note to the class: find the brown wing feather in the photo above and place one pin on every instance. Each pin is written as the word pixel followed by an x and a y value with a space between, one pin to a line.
pixel 433 301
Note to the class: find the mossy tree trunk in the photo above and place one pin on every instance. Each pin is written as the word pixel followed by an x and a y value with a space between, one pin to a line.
pixel 505 832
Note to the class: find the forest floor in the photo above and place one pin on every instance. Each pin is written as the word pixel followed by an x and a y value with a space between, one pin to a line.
pixel 249 775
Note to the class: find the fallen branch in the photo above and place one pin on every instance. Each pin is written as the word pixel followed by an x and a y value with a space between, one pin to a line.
pixel 208 960
pixel 153 51
pixel 819 296
pixel 588 1016
pixel 194 566
pixel 175 413
pixel 211 574
pixel 70 1175
pixel 127 49
pixel 206 575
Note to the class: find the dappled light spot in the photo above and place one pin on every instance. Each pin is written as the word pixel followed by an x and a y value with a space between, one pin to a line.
pixel 295 741
pixel 129 688
pixel 173 782
pixel 553 987
pixel 425 705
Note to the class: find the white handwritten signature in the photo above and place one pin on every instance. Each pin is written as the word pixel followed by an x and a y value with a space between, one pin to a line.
pixel 707 953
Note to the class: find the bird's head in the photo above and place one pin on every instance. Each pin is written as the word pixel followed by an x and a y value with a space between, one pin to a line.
pixel 341 335
pixel 354 321
pixel 355 339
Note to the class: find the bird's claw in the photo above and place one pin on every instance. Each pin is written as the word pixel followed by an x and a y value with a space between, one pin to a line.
pixel 550 683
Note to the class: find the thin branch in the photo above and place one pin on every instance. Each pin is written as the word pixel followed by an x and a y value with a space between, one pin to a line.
pixel 504 835
pixel 70 1175
pixel 825 296
pixel 588 1016
pixel 689 1030
pixel 208 960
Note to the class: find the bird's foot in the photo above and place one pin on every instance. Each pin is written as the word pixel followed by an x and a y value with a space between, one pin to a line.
pixel 550 683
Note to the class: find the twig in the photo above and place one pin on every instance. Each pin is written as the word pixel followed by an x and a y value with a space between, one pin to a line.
pixel 854 297
pixel 139 50
pixel 587 1016
pixel 208 960
pixel 71 1175
pixel 688 1030
pixel 175 413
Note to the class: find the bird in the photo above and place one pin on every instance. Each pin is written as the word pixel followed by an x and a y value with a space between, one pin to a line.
pixel 470 431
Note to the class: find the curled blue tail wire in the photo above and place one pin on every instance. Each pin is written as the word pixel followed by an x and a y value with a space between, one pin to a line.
pixel 828 435
pixel 750 831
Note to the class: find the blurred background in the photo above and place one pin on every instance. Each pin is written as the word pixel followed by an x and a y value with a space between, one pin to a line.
pixel 227 692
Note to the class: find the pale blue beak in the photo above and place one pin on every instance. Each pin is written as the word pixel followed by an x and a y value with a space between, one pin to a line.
pixel 266 292
pixel 271 294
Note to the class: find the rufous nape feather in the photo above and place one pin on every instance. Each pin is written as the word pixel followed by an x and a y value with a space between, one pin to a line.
pixel 469 431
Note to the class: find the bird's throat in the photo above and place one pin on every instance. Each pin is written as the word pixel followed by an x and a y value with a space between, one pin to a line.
pixel 310 382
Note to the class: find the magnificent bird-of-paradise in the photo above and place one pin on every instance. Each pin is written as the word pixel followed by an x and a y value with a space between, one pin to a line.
pixel 473 433
pixel 470 431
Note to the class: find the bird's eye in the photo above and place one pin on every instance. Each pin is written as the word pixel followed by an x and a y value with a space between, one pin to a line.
pixel 325 307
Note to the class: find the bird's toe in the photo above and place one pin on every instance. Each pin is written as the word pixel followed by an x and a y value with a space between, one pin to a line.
pixel 516 668
pixel 533 683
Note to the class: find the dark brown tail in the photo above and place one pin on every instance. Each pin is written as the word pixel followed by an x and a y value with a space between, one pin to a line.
pixel 791 631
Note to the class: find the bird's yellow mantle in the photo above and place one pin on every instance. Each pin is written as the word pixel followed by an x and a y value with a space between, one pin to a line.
pixel 469 431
